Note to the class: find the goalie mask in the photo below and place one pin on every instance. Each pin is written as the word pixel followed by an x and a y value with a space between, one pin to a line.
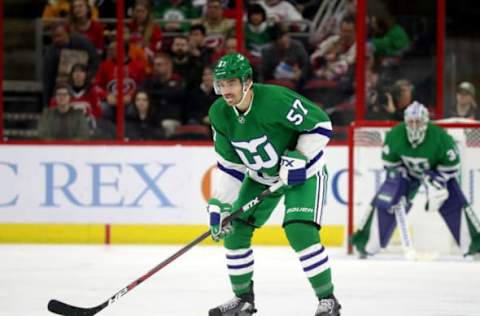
pixel 232 66
pixel 416 122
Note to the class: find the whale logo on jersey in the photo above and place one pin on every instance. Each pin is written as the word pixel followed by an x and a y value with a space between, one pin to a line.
pixel 416 165
pixel 257 153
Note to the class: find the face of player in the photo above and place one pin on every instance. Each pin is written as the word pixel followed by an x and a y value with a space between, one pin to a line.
pixel 415 124
pixel 231 90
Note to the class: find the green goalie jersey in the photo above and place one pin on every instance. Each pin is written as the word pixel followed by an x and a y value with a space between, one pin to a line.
pixel 275 122
pixel 438 151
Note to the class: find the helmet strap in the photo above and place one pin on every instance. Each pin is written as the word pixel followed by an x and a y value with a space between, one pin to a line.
pixel 244 92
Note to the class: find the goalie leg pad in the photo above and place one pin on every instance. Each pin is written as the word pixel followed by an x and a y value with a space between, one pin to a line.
pixel 451 209
pixel 391 194
pixel 391 191
pixel 460 219
pixel 378 228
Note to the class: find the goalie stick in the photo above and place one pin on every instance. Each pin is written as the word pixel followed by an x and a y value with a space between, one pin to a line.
pixel 62 308
pixel 408 250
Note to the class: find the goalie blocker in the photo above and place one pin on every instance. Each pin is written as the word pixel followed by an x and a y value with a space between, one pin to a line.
pixel 377 227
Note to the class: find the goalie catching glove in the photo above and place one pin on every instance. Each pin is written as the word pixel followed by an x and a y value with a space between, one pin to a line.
pixel 293 168
pixel 218 211
pixel 437 192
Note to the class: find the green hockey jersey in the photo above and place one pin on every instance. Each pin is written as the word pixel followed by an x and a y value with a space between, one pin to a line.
pixel 278 119
pixel 437 152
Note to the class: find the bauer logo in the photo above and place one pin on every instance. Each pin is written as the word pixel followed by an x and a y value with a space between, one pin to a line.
pixel 300 210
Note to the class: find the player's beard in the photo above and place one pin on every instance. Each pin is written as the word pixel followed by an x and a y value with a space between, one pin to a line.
pixel 231 99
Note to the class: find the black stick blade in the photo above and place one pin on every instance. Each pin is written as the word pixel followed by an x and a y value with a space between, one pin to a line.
pixel 61 308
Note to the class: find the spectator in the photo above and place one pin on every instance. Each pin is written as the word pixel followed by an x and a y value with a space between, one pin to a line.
pixel 108 8
pixel 333 57
pixel 80 22
pixel 402 96
pixel 62 122
pixel 217 26
pixel 144 33
pixel 230 46
pixel 55 9
pixel 65 51
pixel 465 106
pixel 142 124
pixel 196 42
pixel 200 99
pixel 167 92
pixel 106 80
pixel 257 29
pixel 285 60
pixel 280 10
pixel 187 66
pixel 332 24
pixel 173 12
pixel 389 38
pixel 380 106
pixel 83 96
pixel 308 8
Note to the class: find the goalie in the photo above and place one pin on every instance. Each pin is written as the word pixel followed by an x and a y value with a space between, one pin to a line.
pixel 417 152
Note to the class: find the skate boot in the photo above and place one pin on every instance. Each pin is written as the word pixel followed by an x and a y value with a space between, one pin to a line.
pixel 238 306
pixel 328 307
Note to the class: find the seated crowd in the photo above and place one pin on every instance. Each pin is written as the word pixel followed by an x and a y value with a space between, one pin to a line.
pixel 168 84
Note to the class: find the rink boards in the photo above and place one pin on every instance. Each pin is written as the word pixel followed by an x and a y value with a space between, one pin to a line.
pixel 130 194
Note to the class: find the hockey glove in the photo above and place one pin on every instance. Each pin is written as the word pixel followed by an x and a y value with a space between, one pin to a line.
pixel 437 192
pixel 293 168
pixel 435 179
pixel 218 211
pixel 392 172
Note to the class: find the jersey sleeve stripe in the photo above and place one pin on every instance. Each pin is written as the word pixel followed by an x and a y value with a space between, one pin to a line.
pixel 390 164
pixel 320 130
pixel 448 168
pixel 314 159
pixel 234 173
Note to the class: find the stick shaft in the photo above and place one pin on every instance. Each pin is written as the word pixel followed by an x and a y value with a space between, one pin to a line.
pixel 62 308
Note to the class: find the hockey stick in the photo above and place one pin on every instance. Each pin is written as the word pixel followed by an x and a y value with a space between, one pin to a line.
pixel 407 245
pixel 61 308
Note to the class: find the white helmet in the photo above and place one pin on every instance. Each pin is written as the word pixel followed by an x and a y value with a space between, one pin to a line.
pixel 416 118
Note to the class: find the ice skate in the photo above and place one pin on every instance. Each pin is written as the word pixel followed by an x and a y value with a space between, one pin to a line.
pixel 238 306
pixel 328 307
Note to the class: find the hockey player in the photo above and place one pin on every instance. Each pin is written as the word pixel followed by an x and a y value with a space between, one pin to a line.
pixel 264 134
pixel 416 152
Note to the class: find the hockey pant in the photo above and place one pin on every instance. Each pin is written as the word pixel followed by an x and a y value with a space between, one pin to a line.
pixel 303 212
pixel 376 230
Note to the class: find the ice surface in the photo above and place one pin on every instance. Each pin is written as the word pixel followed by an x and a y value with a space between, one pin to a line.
pixel 30 275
